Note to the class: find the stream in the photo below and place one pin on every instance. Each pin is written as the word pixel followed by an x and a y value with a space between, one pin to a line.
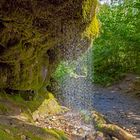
pixel 82 95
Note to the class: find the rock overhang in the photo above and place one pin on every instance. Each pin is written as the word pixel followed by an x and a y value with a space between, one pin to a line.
pixel 33 32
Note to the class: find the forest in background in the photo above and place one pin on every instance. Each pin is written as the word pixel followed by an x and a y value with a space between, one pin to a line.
pixel 116 50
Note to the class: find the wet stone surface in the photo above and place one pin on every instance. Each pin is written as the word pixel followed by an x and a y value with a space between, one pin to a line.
pixel 73 123
pixel 118 107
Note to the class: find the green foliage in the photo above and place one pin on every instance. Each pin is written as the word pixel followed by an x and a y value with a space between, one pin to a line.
pixel 117 50
pixel 63 69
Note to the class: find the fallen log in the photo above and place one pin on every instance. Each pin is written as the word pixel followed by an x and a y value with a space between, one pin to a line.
pixel 113 130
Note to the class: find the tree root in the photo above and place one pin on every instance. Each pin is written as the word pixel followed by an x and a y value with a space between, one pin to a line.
pixel 106 127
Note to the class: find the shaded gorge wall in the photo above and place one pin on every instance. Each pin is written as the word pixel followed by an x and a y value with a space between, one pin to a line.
pixel 36 35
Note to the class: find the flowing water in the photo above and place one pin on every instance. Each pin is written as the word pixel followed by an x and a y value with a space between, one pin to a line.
pixel 82 95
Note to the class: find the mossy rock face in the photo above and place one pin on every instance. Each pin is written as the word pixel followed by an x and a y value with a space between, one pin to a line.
pixel 35 35
pixel 31 132
pixel 49 106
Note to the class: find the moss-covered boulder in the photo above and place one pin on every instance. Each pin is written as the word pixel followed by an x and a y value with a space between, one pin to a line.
pixel 36 34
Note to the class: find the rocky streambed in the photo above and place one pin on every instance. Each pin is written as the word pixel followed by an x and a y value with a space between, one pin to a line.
pixel 73 123
pixel 119 108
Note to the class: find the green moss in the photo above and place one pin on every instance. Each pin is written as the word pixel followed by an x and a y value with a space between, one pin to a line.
pixel 27 37
pixel 43 103
pixel 5 136
pixel 89 10
pixel 57 133
pixel 92 30
pixel 6 133
pixel 19 133
pixel 3 109
pixel 24 62
pixel 48 106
